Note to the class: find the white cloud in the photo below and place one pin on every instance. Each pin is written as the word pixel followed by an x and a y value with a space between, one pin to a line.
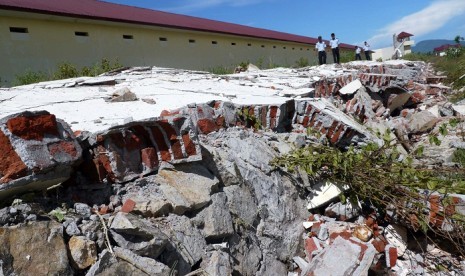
pixel 422 22
pixel 194 5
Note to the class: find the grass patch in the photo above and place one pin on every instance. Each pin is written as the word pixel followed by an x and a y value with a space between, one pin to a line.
pixel 66 70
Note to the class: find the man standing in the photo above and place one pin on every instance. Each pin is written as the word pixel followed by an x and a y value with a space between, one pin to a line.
pixel 321 47
pixel 334 43
pixel 357 53
pixel 366 49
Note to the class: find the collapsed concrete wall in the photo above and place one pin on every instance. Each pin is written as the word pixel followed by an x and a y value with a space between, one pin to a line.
pixel 199 180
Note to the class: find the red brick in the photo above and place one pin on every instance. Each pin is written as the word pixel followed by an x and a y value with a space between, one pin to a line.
pixel 34 127
pixel 220 122
pixel 63 146
pixel 344 234
pixel 165 113
pixel 104 210
pixel 379 243
pixel 312 244
pixel 335 137
pixel 11 165
pixel 169 130
pixel 149 158
pixel 128 206
pixel 176 148
pixel 189 145
pixel 305 121
pixel 207 126
pixel 161 143
pixel 391 256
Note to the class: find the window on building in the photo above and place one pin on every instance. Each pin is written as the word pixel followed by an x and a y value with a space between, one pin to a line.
pixel 163 39
pixel 191 40
pixel 233 43
pixel 19 30
pixel 81 33
pixel 128 37
pixel 214 42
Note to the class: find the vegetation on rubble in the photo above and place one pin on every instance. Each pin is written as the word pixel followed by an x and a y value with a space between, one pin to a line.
pixel 249 119
pixel 67 70
pixel 220 70
pixel 452 65
pixel 378 177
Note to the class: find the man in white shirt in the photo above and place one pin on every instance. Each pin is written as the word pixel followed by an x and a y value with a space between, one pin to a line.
pixel 366 49
pixel 334 43
pixel 357 53
pixel 321 47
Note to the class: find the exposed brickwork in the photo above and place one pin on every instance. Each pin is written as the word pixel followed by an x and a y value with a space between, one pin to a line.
pixel 207 126
pixel 128 206
pixel 11 165
pixel 33 127
pixel 149 158
pixel 63 147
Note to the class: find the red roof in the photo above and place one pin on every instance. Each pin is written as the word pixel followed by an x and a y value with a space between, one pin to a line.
pixel 99 10
pixel 445 47
pixel 403 35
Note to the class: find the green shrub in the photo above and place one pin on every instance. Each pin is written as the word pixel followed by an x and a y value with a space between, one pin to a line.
pixel 29 77
pixel 66 70
pixel 302 62
pixel 347 56
pixel 459 157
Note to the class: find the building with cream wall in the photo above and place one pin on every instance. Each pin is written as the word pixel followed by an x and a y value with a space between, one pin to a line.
pixel 39 35
pixel 401 46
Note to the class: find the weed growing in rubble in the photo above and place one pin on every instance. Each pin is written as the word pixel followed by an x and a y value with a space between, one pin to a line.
pixel 302 62
pixel 249 119
pixel 220 70
pixel 377 175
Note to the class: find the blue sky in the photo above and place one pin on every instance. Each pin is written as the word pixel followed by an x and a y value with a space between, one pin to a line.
pixel 352 21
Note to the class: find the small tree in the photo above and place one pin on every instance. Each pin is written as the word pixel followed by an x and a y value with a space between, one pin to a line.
pixel 458 38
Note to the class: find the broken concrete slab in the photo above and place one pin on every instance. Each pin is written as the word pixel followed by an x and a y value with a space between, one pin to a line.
pixel 138 235
pixel 123 95
pixel 323 193
pixel 37 151
pixel 217 263
pixel 351 87
pixel 351 257
pixel 422 121
pixel 215 220
pixel 340 129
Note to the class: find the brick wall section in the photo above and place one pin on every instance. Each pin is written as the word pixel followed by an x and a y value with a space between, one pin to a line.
pixel 37 150
pixel 325 118
pixel 11 165
pixel 129 151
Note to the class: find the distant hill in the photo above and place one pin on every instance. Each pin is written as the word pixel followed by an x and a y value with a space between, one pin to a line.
pixel 426 46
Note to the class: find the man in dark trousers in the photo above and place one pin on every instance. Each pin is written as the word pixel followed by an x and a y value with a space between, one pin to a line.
pixel 357 53
pixel 334 43
pixel 367 50
pixel 321 48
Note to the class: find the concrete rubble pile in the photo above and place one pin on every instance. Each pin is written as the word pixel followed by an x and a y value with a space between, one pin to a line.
pixel 190 190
